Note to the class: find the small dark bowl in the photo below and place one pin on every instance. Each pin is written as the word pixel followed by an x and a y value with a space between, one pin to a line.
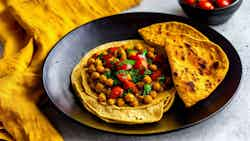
pixel 211 17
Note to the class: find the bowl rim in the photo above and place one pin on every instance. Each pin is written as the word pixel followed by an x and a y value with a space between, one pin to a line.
pixel 214 10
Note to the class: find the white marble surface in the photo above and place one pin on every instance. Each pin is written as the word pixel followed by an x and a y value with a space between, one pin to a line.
pixel 232 124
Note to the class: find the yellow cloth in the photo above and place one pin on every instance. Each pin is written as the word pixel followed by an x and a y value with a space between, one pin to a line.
pixel 28 30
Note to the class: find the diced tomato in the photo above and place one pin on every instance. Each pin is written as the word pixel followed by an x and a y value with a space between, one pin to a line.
pixel 116 92
pixel 106 57
pixel 130 85
pixel 158 59
pixel 95 55
pixel 142 71
pixel 141 62
pixel 156 74
pixel 138 64
pixel 134 57
pixel 122 67
pixel 113 49
pixel 122 77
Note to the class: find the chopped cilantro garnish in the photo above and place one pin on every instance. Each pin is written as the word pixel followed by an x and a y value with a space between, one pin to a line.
pixel 122 71
pixel 100 56
pixel 147 72
pixel 108 74
pixel 116 81
pixel 147 88
pixel 131 50
pixel 124 94
pixel 149 61
pixel 135 75
pixel 162 79
pixel 144 53
pixel 130 62
pixel 129 90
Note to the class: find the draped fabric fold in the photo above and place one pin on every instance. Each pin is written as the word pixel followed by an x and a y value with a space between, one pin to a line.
pixel 28 31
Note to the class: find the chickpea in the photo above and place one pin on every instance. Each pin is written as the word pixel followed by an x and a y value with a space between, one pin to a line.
pixel 100 69
pixel 156 86
pixel 102 97
pixel 99 86
pixel 129 97
pixel 151 55
pixel 111 101
pixel 95 75
pixel 108 92
pixel 153 94
pixel 109 82
pixel 147 99
pixel 91 61
pixel 140 84
pixel 147 79
pixel 107 69
pixel 91 68
pixel 161 89
pixel 139 47
pixel 98 62
pixel 103 78
pixel 151 49
pixel 134 103
pixel 153 67
pixel 120 102
pixel 140 97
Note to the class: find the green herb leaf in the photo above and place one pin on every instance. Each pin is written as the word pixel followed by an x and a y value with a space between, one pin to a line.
pixel 147 89
pixel 144 53
pixel 147 72
pixel 162 79
pixel 116 81
pixel 136 77
pixel 108 74
pixel 100 56
pixel 131 50
pixel 124 94
pixel 129 90
pixel 130 62
pixel 149 61
pixel 121 71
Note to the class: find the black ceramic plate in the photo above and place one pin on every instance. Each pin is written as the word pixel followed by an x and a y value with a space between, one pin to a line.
pixel 70 49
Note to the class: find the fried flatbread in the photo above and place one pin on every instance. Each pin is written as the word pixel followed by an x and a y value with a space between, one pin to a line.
pixel 197 66
pixel 174 28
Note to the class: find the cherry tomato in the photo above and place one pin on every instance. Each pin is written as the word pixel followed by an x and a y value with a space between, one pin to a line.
pixel 156 74
pixel 206 5
pixel 223 3
pixel 190 2
pixel 116 92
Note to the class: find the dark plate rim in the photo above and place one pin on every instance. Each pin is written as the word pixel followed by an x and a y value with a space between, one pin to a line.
pixel 134 134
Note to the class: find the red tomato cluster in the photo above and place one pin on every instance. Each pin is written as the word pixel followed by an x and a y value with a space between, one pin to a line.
pixel 208 4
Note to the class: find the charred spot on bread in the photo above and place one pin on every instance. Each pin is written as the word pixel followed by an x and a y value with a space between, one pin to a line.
pixel 182 58
pixel 215 65
pixel 175 74
pixel 187 45
pixel 202 65
pixel 191 86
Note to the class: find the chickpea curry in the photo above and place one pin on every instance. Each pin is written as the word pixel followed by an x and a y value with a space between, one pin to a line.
pixel 128 76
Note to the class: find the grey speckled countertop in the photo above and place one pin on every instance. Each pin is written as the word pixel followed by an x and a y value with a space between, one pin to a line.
pixel 232 124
